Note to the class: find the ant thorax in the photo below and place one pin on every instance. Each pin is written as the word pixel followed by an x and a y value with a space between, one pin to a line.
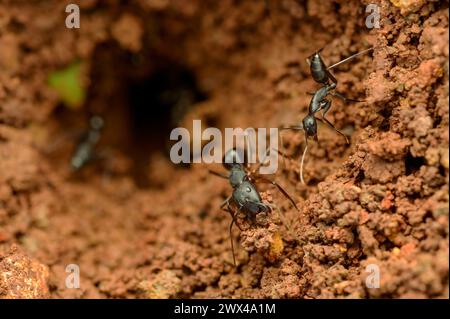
pixel 237 175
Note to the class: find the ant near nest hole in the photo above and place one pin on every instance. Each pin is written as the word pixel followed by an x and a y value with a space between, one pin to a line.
pixel 84 151
pixel 85 148
pixel 245 197
pixel 320 101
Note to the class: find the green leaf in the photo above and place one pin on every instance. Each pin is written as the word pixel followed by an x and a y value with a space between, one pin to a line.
pixel 67 82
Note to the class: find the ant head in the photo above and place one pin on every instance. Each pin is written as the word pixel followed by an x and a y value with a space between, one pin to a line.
pixel 96 122
pixel 310 126
pixel 234 157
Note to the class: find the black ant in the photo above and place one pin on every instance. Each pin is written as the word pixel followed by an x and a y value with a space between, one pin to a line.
pixel 87 141
pixel 322 75
pixel 84 151
pixel 319 102
pixel 245 197
pixel 309 122
pixel 320 72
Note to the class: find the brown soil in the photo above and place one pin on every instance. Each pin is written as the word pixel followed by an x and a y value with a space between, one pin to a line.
pixel 140 227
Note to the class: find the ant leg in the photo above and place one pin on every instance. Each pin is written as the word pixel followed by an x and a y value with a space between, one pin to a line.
pixel 232 244
pixel 343 98
pixel 231 237
pixel 332 78
pixel 274 183
pixel 225 202
pixel 258 165
pixel 233 221
pixel 298 128
pixel 325 109
pixel 230 211
pixel 334 128
pixel 218 174
pixel 316 138
pixel 234 215
pixel 263 161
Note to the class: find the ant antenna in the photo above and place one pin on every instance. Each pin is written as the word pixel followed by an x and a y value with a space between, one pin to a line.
pixel 350 57
pixel 301 163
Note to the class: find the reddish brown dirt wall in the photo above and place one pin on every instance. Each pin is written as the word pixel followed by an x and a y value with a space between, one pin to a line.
pixel 381 200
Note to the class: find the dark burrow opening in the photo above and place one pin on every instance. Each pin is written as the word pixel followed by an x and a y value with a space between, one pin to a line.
pixel 141 98
pixel 157 104
pixel 413 164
